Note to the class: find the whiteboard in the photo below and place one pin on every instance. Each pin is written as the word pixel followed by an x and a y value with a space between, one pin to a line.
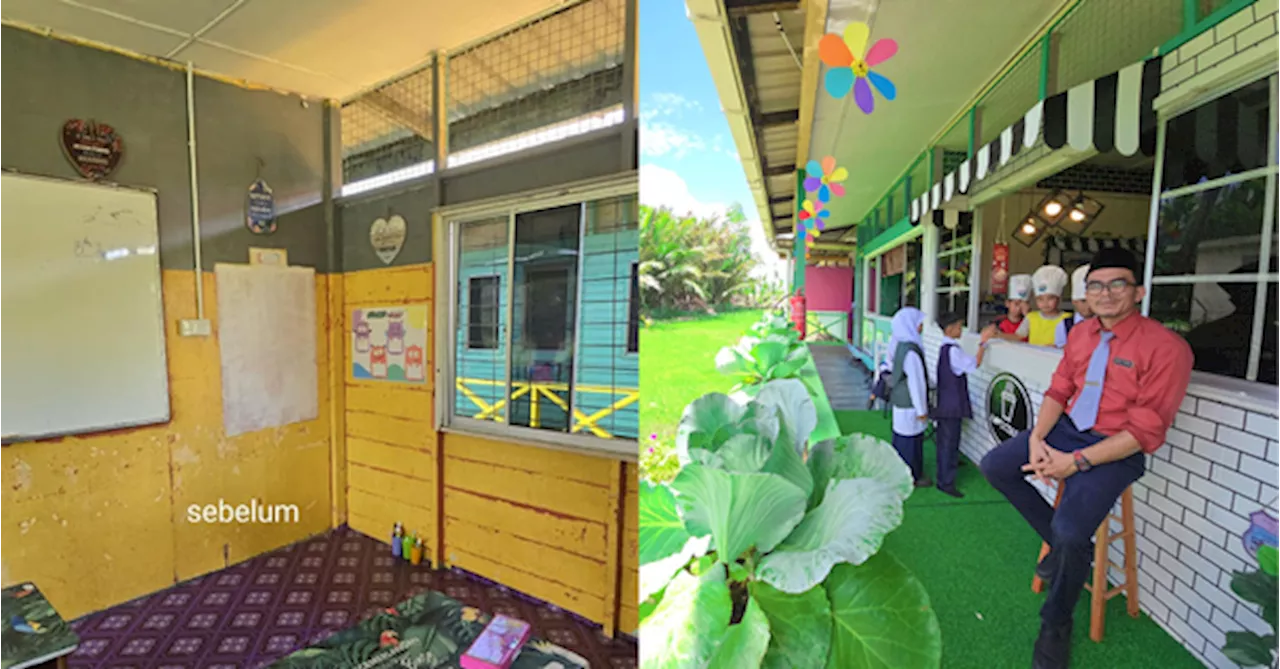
pixel 82 325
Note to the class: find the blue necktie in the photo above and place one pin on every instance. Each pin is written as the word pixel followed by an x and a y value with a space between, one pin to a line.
pixel 1085 412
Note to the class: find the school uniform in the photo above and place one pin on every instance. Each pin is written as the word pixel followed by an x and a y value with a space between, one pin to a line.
pixel 1130 378
pixel 1040 330
pixel 954 367
pixel 1064 329
pixel 908 394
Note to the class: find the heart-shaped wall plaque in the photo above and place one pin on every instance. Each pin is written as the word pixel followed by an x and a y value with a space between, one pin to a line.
pixel 93 148
pixel 387 236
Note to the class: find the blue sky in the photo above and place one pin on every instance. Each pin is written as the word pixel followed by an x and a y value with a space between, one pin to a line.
pixel 687 157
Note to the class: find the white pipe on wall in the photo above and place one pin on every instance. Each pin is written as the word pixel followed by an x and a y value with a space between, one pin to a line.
pixel 195 191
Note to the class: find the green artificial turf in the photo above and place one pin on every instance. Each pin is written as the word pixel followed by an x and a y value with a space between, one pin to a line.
pixel 975 557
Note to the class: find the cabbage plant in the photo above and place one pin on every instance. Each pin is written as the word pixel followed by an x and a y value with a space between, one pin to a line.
pixel 762 552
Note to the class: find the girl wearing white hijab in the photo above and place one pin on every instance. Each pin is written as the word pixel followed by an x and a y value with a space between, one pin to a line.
pixel 909 388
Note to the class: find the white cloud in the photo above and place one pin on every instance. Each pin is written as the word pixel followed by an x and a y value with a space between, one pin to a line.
pixel 662 139
pixel 667 104
pixel 661 187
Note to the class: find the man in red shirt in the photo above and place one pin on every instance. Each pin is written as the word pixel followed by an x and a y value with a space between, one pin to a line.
pixel 1114 395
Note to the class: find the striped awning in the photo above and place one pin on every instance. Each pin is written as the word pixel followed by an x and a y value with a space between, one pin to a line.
pixel 1111 113
pixel 1136 245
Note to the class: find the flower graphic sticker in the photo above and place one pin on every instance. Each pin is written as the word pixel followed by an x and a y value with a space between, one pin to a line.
pixel 824 178
pixel 848 69
pixel 814 214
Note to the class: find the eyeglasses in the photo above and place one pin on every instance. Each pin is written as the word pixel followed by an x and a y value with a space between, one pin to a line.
pixel 1113 286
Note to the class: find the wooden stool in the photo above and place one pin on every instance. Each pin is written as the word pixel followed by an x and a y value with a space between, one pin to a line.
pixel 1101 561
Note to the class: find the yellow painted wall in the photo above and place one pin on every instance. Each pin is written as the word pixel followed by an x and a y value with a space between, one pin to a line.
pixel 100 519
pixel 629 606
pixel 390 439
pixel 541 521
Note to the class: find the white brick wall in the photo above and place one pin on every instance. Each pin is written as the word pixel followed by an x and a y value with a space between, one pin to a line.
pixel 1254 26
pixel 1191 508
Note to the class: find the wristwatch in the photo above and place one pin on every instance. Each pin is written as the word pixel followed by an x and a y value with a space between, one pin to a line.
pixel 1082 463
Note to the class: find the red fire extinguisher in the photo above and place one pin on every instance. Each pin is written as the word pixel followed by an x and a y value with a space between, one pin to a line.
pixel 797 313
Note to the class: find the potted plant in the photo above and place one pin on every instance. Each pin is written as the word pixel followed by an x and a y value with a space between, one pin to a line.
pixel 1248 649
pixel 762 552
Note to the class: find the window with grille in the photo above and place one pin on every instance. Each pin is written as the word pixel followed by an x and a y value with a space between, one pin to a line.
pixel 547 303
pixel 955 250
pixel 1214 276
pixel 633 317
pixel 482 313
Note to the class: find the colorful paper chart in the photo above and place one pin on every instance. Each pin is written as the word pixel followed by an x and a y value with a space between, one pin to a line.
pixel 389 344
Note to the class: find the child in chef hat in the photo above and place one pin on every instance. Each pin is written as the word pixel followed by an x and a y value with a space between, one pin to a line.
pixel 1017 303
pixel 1079 302
pixel 1040 327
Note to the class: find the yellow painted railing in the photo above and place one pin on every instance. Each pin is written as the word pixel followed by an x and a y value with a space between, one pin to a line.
pixel 553 392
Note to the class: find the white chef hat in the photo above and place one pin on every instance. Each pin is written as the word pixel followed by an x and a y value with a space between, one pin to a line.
pixel 1078 289
pixel 1049 280
pixel 1020 287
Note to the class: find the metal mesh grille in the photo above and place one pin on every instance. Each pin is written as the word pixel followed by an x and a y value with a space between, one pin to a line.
pixel 1102 36
pixel 562 68
pixel 389 128
pixel 1013 96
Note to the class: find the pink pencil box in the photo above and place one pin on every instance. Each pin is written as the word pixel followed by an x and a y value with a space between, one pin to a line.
pixel 498 645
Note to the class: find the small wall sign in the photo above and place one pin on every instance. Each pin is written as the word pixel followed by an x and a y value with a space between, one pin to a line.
pixel 93 148
pixel 268 257
pixel 387 237
pixel 260 209
pixel 1008 407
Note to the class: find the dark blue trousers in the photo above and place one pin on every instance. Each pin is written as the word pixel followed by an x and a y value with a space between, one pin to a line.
pixel 911 450
pixel 947 439
pixel 1086 501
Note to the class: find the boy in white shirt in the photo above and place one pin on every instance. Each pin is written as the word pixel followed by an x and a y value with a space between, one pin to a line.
pixel 954 366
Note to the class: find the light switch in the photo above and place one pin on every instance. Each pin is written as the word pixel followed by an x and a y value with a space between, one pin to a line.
pixel 193 327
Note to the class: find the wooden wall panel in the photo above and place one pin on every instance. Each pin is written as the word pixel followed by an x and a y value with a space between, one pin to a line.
pixel 541 521
pixel 390 442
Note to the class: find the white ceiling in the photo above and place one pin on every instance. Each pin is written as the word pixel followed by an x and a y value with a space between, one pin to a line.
pixel 947 50
pixel 323 48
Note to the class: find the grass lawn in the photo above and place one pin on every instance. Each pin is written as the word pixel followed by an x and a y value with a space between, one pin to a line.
pixel 678 366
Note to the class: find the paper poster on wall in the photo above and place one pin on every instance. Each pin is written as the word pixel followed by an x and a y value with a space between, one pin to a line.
pixel 389 344
pixel 267 341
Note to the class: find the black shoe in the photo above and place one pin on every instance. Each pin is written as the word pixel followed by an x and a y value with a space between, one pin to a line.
pixel 1053 647
pixel 923 482
pixel 952 491
pixel 1046 570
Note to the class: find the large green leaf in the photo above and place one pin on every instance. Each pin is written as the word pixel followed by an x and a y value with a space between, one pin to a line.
pixel 745 643
pixel 744 453
pixel 822 465
pixel 789 399
pixel 785 461
pixel 662 532
pixel 1248 649
pixel 731 361
pixel 738 510
pixel 827 427
pixel 769 353
pixel 865 456
pixel 800 626
pixel 848 526
pixel 688 624
pixel 655 575
pixel 882 618
pixel 702 420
